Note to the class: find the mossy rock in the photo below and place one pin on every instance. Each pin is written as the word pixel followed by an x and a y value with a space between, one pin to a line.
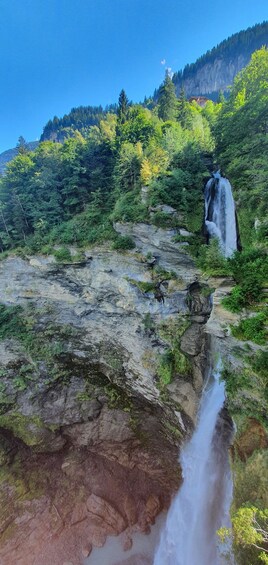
pixel 31 430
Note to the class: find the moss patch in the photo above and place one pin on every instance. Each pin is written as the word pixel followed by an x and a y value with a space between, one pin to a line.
pixel 173 361
pixel 26 428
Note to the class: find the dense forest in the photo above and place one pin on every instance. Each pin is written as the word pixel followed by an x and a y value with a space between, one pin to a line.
pixel 79 119
pixel 47 194
pixel 126 167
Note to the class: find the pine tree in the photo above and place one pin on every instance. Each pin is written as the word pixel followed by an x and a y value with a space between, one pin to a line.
pixel 221 98
pixel 122 110
pixel 184 113
pixel 21 146
pixel 167 102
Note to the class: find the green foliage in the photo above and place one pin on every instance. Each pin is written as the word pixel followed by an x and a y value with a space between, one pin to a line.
pixel 247 388
pixel 253 329
pixel 183 110
pixel 173 362
pixel 167 101
pixel 211 260
pixel 165 368
pixel 71 192
pixel 162 220
pixel 243 158
pixel 160 273
pixel 250 492
pixel 21 324
pixel 148 323
pixel 250 271
pixel 128 208
pixel 140 127
pixel 124 242
pixel 250 508
pixel 235 301
pixel 63 255
pixel 128 165
pixel 250 526
pixel 122 107
pixel 259 363
pixel 79 119
pixel 144 286
pixel 11 324
pixel 250 530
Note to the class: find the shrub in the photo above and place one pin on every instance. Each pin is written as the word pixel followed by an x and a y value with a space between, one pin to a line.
pixel 124 242
pixel 63 255
pixel 259 364
pixel 250 271
pixel 129 208
pixel 47 250
pixel 11 325
pixel 253 329
pixel 236 300
pixel 211 260
pixel 166 368
pixel 162 220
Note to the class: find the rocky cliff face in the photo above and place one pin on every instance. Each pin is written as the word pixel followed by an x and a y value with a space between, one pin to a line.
pixel 90 424
pixel 212 77
pixel 216 69
pixel 102 368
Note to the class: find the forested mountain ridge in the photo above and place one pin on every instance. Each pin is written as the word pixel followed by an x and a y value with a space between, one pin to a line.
pixel 164 149
pixel 216 69
pixel 78 119
pixel 212 72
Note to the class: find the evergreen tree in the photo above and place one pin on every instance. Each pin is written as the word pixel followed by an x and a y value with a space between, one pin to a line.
pixel 221 97
pixel 21 146
pixel 167 102
pixel 184 112
pixel 122 110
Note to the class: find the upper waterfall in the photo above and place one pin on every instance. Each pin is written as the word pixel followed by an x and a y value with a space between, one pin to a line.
pixel 220 219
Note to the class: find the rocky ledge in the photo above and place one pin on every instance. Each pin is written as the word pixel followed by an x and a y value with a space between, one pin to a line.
pixel 102 365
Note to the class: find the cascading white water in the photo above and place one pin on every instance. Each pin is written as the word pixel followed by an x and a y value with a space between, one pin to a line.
pixel 202 504
pixel 220 218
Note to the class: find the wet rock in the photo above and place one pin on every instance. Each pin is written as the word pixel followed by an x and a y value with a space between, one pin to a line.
pixel 97 535
pixel 79 513
pixel 191 342
pixel 252 438
pixel 112 425
pixel 126 541
pixel 152 508
pixel 107 513
pixel 86 551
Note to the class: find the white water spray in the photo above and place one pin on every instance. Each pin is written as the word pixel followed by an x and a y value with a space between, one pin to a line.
pixel 201 506
pixel 220 213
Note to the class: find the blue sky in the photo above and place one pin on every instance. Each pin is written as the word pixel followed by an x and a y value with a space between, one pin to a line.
pixel 57 54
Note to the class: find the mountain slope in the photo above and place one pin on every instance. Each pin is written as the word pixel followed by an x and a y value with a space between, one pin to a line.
pixel 216 69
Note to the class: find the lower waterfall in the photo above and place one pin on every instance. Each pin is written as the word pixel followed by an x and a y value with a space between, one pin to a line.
pixel 202 504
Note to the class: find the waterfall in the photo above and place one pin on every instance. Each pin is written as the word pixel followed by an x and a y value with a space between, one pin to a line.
pixel 220 219
pixel 202 504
